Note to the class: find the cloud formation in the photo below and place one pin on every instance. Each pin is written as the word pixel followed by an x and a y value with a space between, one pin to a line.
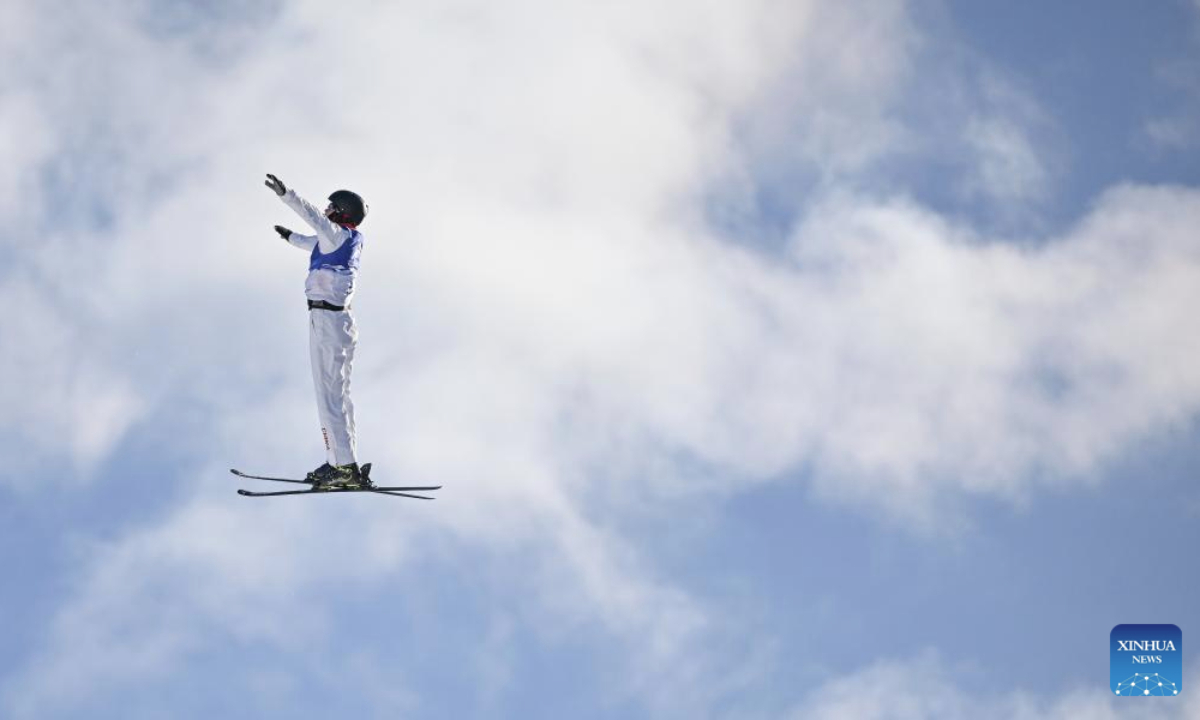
pixel 551 324
pixel 892 350
pixel 925 688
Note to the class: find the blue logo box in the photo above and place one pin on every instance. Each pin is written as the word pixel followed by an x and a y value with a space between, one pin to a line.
pixel 1146 660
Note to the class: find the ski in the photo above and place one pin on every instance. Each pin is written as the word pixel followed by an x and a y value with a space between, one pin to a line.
pixel 405 491
pixel 393 491
pixel 366 473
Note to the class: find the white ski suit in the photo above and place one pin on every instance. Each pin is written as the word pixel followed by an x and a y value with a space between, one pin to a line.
pixel 333 268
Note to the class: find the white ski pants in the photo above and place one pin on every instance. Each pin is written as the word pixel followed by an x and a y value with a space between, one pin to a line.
pixel 332 338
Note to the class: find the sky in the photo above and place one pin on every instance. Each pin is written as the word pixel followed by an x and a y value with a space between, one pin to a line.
pixel 778 359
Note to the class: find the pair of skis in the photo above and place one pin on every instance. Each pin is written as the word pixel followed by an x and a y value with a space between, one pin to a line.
pixel 366 469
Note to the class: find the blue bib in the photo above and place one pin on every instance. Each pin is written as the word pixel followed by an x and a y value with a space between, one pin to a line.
pixel 345 258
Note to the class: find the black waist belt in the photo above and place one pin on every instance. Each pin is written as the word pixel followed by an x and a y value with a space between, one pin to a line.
pixel 322 305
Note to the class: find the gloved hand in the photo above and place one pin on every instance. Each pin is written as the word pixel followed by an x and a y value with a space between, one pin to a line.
pixel 283 232
pixel 276 184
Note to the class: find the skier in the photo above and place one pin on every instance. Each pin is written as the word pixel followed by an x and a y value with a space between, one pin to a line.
pixel 332 270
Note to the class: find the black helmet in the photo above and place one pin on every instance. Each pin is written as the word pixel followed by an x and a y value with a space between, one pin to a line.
pixel 346 208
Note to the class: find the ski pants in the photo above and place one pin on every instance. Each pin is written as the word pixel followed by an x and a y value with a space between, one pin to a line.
pixel 332 338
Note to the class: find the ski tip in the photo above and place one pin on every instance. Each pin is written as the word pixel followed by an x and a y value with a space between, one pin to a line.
pixel 244 492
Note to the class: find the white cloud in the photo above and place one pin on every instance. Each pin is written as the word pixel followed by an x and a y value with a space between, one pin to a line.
pixel 830 104
pixel 1173 126
pixel 24 143
pixel 902 358
pixel 979 363
pixel 63 391
pixel 925 688
pixel 1011 167
pixel 1173 133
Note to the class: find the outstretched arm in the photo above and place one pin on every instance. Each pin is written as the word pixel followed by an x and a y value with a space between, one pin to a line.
pixel 305 242
pixel 329 234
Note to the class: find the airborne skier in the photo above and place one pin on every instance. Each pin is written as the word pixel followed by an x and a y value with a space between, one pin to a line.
pixel 332 270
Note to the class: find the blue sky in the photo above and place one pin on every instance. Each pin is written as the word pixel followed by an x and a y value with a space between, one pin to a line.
pixel 802 360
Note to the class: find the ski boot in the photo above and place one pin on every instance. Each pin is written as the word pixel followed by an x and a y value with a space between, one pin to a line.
pixel 339 477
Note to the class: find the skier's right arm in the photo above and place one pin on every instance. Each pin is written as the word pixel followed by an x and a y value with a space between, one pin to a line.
pixel 329 233
pixel 305 242
pixel 327 230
